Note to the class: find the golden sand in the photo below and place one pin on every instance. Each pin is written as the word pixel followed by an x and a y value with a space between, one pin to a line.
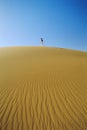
pixel 43 88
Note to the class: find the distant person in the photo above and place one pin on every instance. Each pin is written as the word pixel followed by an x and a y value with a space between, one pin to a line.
pixel 41 41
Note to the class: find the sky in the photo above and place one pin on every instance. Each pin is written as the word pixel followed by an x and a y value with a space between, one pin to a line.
pixel 61 23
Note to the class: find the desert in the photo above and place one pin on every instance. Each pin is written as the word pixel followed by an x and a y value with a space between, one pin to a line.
pixel 43 88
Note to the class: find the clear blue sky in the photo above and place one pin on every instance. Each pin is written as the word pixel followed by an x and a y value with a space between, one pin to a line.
pixel 62 23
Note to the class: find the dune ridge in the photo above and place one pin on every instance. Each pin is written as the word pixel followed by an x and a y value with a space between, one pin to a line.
pixel 43 88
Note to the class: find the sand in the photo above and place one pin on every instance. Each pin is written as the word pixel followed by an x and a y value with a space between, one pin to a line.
pixel 43 88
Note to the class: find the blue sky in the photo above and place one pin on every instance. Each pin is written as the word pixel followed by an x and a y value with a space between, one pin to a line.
pixel 62 23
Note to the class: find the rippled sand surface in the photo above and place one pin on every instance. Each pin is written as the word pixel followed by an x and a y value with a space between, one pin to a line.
pixel 43 88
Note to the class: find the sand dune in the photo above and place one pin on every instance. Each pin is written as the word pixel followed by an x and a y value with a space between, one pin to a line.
pixel 43 88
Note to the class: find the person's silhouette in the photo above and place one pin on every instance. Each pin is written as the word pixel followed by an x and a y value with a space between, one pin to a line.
pixel 41 41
